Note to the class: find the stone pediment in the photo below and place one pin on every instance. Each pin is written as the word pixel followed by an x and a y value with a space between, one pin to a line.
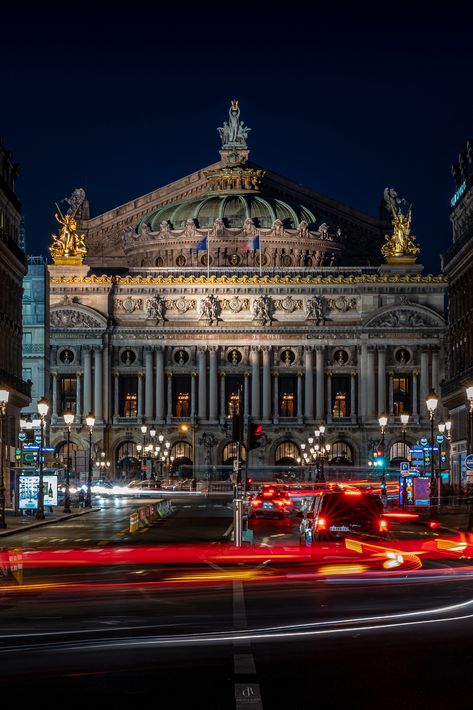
pixel 63 316
pixel 405 316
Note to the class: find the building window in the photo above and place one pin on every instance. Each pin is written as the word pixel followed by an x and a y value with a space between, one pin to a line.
pixel 341 454
pixel 68 387
pixel 27 373
pixel 399 452
pixel 234 395
pixel 401 396
pixel 128 392
pixel 230 452
pixel 286 454
pixel 27 339
pixel 287 396
pixel 181 390
pixel 340 396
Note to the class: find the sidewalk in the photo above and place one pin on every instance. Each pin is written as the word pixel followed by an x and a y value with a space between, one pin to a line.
pixel 19 523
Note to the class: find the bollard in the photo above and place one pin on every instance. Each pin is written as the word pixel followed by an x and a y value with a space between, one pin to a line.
pixel 238 520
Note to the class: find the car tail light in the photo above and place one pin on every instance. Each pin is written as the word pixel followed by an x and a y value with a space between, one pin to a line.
pixel 383 525
pixel 255 503
pixel 321 524
pixel 433 524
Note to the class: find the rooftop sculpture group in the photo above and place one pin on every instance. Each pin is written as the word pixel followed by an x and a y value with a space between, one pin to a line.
pixel 400 246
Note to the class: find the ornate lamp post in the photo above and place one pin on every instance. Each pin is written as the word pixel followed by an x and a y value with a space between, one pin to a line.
pixel 469 395
pixel 432 402
pixel 144 429
pixel 90 421
pixel 404 421
pixel 68 419
pixel 383 420
pixel 4 395
pixel 43 408
pixel 185 428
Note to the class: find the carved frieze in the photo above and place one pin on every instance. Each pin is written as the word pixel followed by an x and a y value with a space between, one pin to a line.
pixel 288 304
pixel 235 304
pixel 405 318
pixel 342 304
pixel 128 304
pixel 70 318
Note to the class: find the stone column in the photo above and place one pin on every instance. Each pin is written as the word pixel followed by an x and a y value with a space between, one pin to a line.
pixel 391 394
pixel 116 392
pixel 246 395
pixel 300 375
pixel 424 382
pixel 381 380
pixel 193 395
pixel 414 394
pixel 98 383
pixel 169 411
pixel 362 398
pixel 213 385
pixel 148 384
pixel 309 384
pixel 222 397
pixel 54 403
pixel 159 385
pixel 106 382
pixel 329 396
pixel 255 404
pixel 202 383
pixel 140 395
pixel 435 371
pixel 79 395
pixel 353 395
pixel 87 365
pixel 276 397
pixel 319 374
pixel 371 389
pixel 266 384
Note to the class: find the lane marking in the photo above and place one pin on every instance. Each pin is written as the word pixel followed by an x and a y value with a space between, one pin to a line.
pixel 243 660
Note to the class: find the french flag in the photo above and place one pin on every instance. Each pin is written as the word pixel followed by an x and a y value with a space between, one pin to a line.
pixel 251 244
pixel 200 246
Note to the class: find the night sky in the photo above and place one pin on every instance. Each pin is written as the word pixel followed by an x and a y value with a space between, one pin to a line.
pixel 343 102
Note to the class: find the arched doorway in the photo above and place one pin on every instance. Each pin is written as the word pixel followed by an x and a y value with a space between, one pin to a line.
pixel 399 452
pixel 181 455
pixel 128 463
pixel 78 459
pixel 287 454
pixel 229 453
pixel 341 454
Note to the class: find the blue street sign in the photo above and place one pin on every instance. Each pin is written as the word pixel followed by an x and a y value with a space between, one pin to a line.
pixel 404 466
pixel 469 462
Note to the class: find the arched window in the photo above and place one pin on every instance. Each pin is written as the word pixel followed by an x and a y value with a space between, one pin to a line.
pixel 78 458
pixel 341 454
pixel 128 465
pixel 230 451
pixel 182 450
pixel 286 454
pixel 399 452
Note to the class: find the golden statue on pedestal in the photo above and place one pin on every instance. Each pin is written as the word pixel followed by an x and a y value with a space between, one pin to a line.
pixel 400 247
pixel 68 247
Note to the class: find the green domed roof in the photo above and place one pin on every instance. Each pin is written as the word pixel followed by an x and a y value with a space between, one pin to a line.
pixel 233 210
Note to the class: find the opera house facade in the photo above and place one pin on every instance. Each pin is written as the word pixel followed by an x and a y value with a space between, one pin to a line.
pixel 235 287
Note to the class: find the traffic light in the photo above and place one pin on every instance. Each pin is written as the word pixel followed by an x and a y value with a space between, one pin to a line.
pixel 256 430
pixel 249 484
pixel 378 458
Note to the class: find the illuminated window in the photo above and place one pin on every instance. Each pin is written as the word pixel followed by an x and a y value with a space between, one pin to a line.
pixel 286 453
pixel 233 404
pixel 287 405
pixel 399 451
pixel 128 396
pixel 182 450
pixel 230 451
pixel 340 395
pixel 341 454
pixel 68 394
pixel 401 396
pixel 183 404
pixel 340 405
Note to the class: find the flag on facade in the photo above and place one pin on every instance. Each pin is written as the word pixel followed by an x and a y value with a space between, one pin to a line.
pixel 201 246
pixel 251 244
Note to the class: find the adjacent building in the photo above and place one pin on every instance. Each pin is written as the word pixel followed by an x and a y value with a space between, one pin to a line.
pixel 457 266
pixel 12 271
pixel 235 286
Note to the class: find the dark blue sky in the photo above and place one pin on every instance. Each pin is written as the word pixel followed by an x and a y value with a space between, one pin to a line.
pixel 343 102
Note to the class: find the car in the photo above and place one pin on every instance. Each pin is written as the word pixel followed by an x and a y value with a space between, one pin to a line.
pixel 334 514
pixel 271 502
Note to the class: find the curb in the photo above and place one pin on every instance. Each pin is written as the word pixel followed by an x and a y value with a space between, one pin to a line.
pixel 66 516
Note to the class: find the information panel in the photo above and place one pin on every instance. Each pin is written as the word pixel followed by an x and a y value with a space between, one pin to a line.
pixel 422 490
pixel 28 491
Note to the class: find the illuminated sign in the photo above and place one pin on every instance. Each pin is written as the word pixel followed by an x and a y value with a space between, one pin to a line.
pixel 422 491
pixel 28 491
pixel 458 194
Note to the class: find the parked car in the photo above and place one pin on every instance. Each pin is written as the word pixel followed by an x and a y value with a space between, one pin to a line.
pixel 334 514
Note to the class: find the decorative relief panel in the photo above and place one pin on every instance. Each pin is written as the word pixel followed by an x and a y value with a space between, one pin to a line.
pixel 128 305
pixel 288 304
pixel 68 318
pixel 235 304
pixel 342 304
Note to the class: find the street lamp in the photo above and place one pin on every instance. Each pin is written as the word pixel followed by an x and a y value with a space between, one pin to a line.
pixel 383 420
pixel 43 408
pixel 68 419
pixel 90 421
pixel 469 395
pixel 185 428
pixel 4 395
pixel 432 402
pixel 144 429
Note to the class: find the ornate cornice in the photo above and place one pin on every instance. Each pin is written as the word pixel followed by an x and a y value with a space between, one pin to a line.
pixel 242 280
